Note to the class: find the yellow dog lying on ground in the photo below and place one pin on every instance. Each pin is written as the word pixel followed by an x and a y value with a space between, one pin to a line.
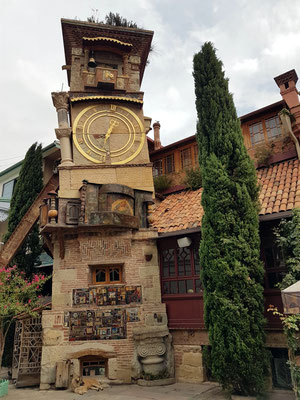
pixel 82 385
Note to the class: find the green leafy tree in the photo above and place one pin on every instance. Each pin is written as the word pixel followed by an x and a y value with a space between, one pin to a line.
pixel 28 186
pixel 232 272
pixel 17 295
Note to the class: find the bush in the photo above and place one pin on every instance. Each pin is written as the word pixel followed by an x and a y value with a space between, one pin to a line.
pixel 263 153
pixel 162 183
pixel 193 178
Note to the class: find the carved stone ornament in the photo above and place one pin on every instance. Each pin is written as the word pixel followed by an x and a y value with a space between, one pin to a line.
pixel 151 349
pixel 63 132
pixel 60 100
pixel 151 355
pixel 154 351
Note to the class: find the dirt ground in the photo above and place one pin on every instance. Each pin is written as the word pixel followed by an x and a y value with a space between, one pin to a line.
pixel 177 391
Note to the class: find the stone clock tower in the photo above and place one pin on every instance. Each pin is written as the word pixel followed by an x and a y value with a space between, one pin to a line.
pixel 107 319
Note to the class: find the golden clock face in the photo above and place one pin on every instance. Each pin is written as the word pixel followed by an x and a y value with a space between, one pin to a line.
pixel 108 133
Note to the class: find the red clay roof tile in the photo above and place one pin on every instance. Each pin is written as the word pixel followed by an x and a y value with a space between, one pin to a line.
pixel 183 210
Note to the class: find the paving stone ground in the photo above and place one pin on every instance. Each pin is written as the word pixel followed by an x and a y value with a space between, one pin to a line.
pixel 177 391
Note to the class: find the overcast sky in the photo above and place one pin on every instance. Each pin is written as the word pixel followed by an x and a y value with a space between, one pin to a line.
pixel 256 40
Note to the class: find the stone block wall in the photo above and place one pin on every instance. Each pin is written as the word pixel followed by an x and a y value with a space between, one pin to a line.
pixel 187 345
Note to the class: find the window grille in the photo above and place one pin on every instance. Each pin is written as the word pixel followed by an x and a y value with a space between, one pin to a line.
pixel 273 127
pixel 256 133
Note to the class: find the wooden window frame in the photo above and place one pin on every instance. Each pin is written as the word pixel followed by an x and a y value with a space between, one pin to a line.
pixel 269 129
pixel 11 181
pixel 184 158
pixel 266 138
pixel 169 162
pixel 177 277
pixel 157 167
pixel 261 133
pixel 107 279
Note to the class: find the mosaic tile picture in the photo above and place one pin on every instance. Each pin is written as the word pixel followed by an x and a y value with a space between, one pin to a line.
pixel 96 324
pixel 132 315
pixel 107 295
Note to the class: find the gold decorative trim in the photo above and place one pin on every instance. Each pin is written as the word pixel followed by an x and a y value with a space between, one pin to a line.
pixel 96 153
pixel 114 98
pixel 99 38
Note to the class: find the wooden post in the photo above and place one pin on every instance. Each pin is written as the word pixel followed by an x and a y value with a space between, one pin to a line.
pixel 62 374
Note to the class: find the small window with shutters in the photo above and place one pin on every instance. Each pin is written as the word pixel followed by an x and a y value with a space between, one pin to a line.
pixel 72 212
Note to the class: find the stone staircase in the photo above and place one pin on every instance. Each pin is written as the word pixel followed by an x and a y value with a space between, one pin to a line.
pixel 25 225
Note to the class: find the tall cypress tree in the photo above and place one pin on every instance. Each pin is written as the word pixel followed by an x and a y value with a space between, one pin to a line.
pixel 232 272
pixel 29 184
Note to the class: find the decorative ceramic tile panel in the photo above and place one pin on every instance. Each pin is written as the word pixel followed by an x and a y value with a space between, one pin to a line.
pixel 96 324
pixel 107 295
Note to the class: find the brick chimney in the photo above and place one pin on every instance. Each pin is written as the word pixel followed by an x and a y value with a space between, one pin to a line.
pixel 156 128
pixel 287 85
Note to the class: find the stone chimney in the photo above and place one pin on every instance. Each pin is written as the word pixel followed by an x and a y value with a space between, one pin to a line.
pixel 156 128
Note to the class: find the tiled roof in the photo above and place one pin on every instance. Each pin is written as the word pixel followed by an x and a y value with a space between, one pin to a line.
pixel 179 211
pixel 280 187
pixel 280 191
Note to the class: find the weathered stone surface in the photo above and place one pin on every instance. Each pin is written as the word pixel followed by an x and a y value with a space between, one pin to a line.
pixel 47 319
pixel 48 374
pixel 156 319
pixel 124 375
pixel 152 293
pixel 135 59
pixel 189 374
pixel 193 359
pixel 77 51
pixel 190 337
pixel 146 332
pixel 102 350
pixel 52 337
pixel 61 300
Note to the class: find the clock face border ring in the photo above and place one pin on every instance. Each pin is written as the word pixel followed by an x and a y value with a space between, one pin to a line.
pixel 124 109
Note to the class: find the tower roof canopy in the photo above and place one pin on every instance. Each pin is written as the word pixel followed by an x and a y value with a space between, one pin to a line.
pixel 78 34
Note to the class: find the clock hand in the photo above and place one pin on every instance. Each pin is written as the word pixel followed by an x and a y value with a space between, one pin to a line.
pixel 112 124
